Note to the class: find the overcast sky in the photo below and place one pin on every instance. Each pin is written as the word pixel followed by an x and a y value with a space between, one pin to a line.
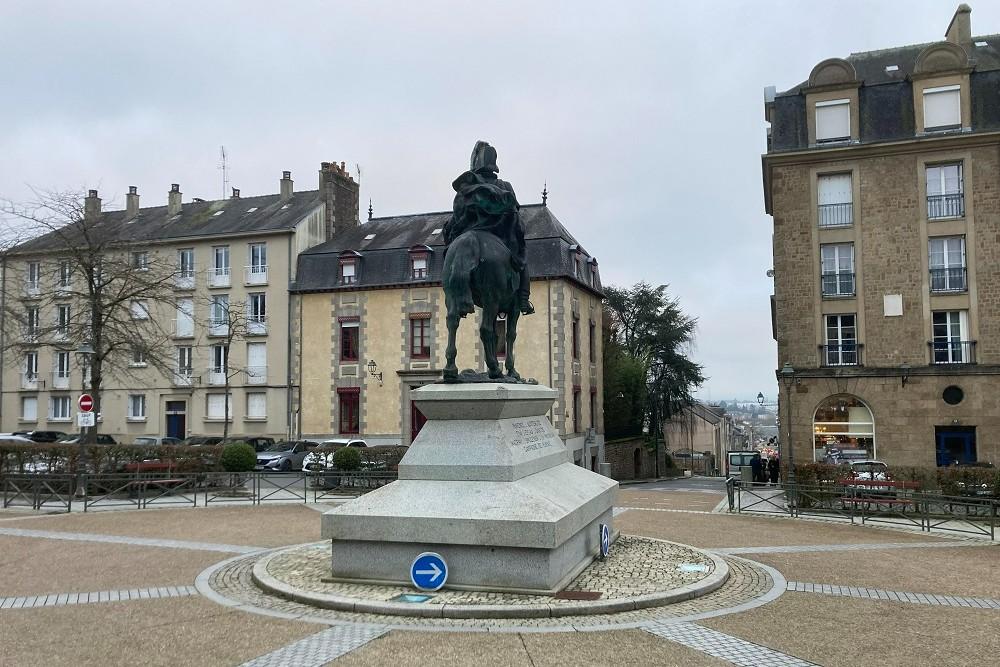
pixel 645 118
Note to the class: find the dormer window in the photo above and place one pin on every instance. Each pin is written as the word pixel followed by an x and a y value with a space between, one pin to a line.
pixel 942 108
pixel 419 262
pixel 833 120
pixel 349 260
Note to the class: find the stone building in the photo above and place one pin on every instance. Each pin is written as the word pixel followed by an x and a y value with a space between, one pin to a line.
pixel 372 314
pixel 881 175
pixel 226 252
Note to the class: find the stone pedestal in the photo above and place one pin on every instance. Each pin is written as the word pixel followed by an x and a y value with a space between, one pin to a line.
pixel 490 486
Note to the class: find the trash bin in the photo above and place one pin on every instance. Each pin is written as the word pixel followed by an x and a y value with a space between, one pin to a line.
pixel 746 475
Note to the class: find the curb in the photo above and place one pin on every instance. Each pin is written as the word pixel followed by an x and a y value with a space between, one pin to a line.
pixel 711 583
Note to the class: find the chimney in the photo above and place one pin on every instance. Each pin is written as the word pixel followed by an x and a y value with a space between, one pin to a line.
pixel 286 185
pixel 960 29
pixel 340 193
pixel 236 193
pixel 92 206
pixel 174 199
pixel 132 203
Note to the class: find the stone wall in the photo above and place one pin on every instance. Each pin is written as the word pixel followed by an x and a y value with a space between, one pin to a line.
pixel 624 454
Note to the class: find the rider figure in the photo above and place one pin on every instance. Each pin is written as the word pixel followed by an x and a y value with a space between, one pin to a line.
pixel 484 202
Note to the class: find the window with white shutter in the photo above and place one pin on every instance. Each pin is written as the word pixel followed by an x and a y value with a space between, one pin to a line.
pixel 833 120
pixel 256 405
pixel 217 406
pixel 835 199
pixel 29 408
pixel 942 108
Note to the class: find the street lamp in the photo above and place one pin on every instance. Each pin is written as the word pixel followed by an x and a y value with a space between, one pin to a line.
pixel 84 355
pixel 788 379
pixel 760 398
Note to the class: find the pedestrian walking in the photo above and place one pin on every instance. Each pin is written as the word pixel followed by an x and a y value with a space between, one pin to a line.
pixel 756 468
pixel 774 469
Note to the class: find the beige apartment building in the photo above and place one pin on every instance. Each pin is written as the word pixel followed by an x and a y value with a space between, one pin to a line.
pixel 882 175
pixel 231 262
pixel 372 313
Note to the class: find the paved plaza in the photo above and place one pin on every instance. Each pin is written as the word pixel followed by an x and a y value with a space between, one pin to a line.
pixel 173 587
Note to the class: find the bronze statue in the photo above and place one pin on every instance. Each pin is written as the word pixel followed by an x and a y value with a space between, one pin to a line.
pixel 485 263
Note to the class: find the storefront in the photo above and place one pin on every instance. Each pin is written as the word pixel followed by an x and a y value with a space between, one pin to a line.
pixel 843 429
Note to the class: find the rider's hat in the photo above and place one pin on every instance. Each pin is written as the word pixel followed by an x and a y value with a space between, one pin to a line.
pixel 484 158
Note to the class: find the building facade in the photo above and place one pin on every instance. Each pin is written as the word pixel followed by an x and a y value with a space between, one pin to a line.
pixel 226 316
pixel 881 176
pixel 372 328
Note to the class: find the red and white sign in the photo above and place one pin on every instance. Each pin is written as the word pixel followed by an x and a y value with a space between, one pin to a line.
pixel 85 402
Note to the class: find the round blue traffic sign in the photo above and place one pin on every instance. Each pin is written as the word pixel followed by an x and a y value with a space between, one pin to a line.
pixel 605 540
pixel 429 571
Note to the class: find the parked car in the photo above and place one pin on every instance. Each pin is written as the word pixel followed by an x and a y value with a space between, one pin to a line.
pixel 153 440
pixel 14 439
pixel 259 443
pixel 202 440
pixel 320 461
pixel 74 439
pixel 284 456
pixel 42 436
pixel 869 469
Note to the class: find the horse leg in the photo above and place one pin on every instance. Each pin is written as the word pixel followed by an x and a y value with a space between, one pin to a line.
pixel 488 334
pixel 450 369
pixel 512 316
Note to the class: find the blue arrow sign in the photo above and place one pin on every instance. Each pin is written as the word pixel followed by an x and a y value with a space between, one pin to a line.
pixel 429 571
pixel 605 540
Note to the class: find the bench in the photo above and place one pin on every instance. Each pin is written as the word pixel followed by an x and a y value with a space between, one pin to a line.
pixel 873 492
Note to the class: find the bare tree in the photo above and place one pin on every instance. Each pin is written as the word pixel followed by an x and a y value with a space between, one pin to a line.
pixel 83 284
pixel 231 322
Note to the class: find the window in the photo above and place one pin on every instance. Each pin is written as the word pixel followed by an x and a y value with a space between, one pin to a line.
pixel 842 422
pixel 420 337
pixel 833 120
pixel 65 274
pixel 217 404
pixel 576 409
pixel 185 368
pixel 136 407
pixel 185 262
pixel 350 410
pixel 348 272
pixel 139 310
pixel 184 324
pixel 32 321
pixel 349 339
pixel 592 341
pixel 945 197
pixel 34 277
pixel 220 259
pixel 577 267
pixel 219 315
pixel 418 266
pixel 501 333
pixel 257 269
pixel 220 359
pixel 947 264
pixel 59 408
pixel 593 408
pixel 62 320
pixel 140 261
pixel 837 269
pixel 942 108
pixel 950 343
pixel 257 309
pixel 61 372
pixel 138 357
pixel 835 199
pixel 256 363
pixel 29 408
pixel 576 337
pixel 30 366
pixel 256 405
pixel 841 341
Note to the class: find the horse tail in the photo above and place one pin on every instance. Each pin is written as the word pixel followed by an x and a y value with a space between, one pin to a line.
pixel 461 259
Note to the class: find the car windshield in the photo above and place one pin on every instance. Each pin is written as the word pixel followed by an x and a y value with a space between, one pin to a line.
pixel 280 447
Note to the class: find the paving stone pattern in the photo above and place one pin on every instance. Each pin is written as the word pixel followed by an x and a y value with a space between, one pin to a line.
pixel 637 567
pixel 723 646
pixel 320 648
pixel 808 548
pixel 135 541
pixel 62 599
pixel 895 596
pixel 233 582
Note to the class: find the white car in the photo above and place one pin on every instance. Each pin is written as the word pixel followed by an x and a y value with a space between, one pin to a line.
pixel 319 461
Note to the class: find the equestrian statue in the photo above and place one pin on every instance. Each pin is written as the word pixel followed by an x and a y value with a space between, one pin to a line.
pixel 485 262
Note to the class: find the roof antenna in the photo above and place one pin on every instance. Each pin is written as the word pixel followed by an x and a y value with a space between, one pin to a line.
pixel 369 209
pixel 225 170
pixel 545 193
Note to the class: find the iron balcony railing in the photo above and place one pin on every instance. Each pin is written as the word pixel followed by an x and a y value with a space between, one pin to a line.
pixel 952 279
pixel 219 277
pixel 836 215
pixel 256 325
pixel 945 206
pixel 843 354
pixel 255 274
pixel 952 351
pixel 837 284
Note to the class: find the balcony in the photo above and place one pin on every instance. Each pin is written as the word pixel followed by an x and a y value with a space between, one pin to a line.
pixel 836 215
pixel 255 275
pixel 256 325
pixel 256 374
pixel 945 206
pixel 218 326
pixel 32 289
pixel 216 376
pixel 952 351
pixel 184 279
pixel 837 285
pixel 844 354
pixel 29 335
pixel 30 381
pixel 183 328
pixel 60 379
pixel 219 277
pixel 183 377
pixel 949 279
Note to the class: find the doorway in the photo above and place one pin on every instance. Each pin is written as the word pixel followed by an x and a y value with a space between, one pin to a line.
pixel 637 463
pixel 955 445
pixel 176 419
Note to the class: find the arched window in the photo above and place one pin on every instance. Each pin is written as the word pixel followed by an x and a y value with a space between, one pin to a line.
pixel 843 429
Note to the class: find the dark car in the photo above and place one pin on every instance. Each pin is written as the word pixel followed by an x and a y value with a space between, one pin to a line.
pixel 259 443
pixel 43 436
pixel 74 439
pixel 202 440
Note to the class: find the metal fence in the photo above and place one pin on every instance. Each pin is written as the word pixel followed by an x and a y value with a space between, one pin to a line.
pixel 870 503
pixel 59 492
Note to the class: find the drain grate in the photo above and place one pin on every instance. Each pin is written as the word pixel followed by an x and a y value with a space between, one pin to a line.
pixel 577 595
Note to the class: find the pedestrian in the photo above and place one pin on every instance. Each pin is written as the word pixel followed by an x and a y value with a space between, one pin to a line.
pixel 756 468
pixel 774 469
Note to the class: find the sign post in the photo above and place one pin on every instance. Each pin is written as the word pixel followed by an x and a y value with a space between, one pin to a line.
pixel 85 403
pixel 429 571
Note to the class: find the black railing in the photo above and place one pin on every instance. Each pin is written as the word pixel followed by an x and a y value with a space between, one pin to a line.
pixel 945 206
pixel 844 354
pixel 836 215
pixel 837 284
pixel 951 279
pixel 952 351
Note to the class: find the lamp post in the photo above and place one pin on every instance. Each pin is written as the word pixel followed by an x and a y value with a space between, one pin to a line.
pixel 788 379
pixel 84 354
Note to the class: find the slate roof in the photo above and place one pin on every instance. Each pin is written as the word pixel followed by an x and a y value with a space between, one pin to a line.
pixel 385 257
pixel 223 217
pixel 870 65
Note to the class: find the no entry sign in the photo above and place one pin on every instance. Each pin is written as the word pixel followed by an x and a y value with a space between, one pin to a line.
pixel 85 402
